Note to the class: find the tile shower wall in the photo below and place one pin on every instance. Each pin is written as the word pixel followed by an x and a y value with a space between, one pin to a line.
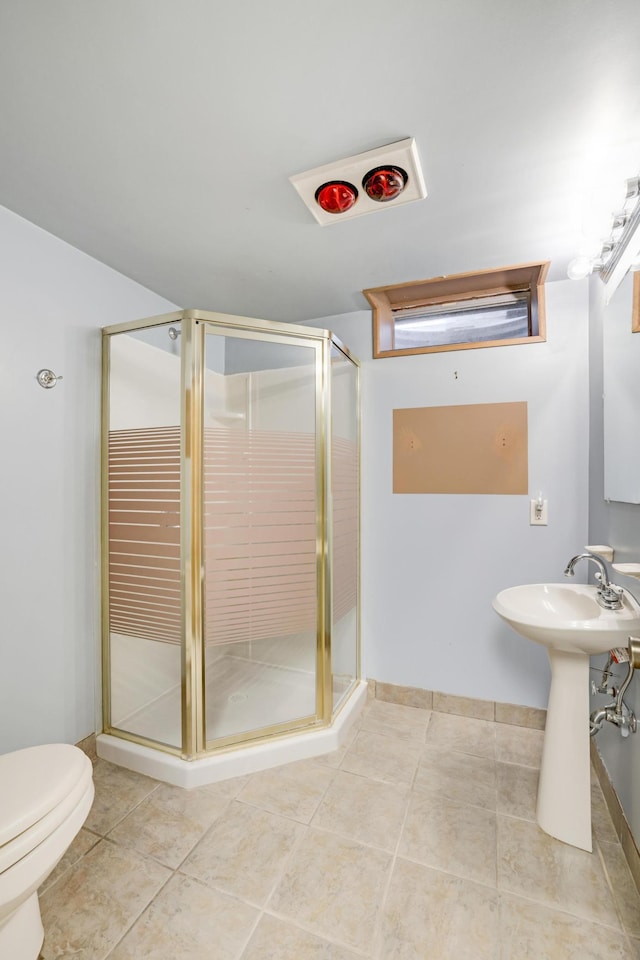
pixel 53 301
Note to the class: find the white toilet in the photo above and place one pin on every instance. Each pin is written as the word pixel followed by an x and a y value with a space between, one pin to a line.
pixel 45 795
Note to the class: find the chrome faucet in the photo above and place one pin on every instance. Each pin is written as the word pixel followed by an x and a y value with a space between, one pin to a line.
pixel 608 595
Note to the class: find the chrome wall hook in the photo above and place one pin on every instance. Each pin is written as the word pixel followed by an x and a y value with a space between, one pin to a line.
pixel 47 378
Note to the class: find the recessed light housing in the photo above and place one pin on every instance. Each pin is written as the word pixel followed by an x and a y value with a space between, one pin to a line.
pixel 388 175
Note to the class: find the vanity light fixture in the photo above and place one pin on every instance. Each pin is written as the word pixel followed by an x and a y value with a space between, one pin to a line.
pixel 626 247
pixel 621 250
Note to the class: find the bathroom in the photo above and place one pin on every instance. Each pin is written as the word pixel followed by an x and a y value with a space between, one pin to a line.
pixel 430 564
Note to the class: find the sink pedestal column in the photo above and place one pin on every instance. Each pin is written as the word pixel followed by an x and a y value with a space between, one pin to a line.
pixel 564 791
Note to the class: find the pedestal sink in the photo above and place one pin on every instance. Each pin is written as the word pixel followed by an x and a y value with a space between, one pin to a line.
pixel 567 619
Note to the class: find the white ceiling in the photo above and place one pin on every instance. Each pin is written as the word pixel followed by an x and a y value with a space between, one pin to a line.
pixel 159 135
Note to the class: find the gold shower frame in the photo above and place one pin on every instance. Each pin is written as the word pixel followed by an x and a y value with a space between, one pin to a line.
pixel 194 325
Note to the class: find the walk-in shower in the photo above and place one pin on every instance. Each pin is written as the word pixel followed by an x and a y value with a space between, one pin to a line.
pixel 230 533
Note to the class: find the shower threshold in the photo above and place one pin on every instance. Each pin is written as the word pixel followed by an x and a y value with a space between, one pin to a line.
pixel 239 760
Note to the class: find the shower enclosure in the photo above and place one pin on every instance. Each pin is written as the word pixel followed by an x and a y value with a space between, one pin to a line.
pixel 230 531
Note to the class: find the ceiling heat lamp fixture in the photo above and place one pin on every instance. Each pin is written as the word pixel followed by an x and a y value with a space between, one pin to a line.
pixel 336 196
pixel 621 250
pixel 385 183
pixel 384 177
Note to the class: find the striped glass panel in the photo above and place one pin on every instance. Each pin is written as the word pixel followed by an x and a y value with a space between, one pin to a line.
pixel 259 518
pixel 145 604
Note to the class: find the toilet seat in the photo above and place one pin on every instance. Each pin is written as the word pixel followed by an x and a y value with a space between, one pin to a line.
pixel 41 786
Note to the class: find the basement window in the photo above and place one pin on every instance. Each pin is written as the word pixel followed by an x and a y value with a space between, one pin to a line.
pixel 460 312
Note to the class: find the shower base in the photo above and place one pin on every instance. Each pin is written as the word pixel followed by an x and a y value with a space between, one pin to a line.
pixel 245 695
pixel 241 759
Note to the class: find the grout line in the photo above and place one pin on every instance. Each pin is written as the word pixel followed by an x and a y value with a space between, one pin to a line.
pixel 203 835
pixel 307 928
pixel 553 908
pixel 378 930
pixel 285 864
pixel 412 790
pixel 609 882
pixel 146 906
pixel 130 810
pixel 245 946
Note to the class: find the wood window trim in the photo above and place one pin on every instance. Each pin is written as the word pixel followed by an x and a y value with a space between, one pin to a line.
pixel 453 288
pixel 635 304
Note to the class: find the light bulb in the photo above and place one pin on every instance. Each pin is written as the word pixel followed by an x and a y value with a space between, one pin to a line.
pixel 579 268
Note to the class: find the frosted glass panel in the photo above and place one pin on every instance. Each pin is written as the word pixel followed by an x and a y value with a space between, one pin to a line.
pixel 344 498
pixel 145 630
pixel 260 597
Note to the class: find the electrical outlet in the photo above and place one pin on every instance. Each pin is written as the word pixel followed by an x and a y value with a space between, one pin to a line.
pixel 538 516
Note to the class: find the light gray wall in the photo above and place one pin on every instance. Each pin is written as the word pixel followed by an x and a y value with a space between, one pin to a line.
pixel 53 301
pixel 618 525
pixel 431 564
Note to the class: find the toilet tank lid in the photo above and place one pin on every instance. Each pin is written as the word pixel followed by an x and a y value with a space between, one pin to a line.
pixel 34 781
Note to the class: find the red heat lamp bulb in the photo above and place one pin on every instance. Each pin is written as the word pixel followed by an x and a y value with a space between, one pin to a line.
pixel 336 196
pixel 384 183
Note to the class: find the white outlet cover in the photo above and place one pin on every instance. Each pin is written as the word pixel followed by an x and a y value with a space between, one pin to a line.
pixel 403 153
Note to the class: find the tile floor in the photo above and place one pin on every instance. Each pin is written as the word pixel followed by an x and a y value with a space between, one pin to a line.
pixel 415 840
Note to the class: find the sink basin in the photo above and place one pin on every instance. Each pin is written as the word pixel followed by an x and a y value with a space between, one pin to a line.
pixel 567 616
pixel 568 620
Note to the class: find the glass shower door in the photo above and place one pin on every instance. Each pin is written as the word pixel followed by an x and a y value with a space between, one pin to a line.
pixel 260 533
pixel 144 618
pixel 344 524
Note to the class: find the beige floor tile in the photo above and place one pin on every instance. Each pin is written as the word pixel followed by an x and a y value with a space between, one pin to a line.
pixel 451 836
pixel 396 720
pixel 635 948
pixel 408 696
pixel 364 810
pixel 382 758
pixel 433 915
pixel 335 758
pixel 517 790
pixel 244 852
pixel 518 745
pixel 293 790
pixel 529 931
pixel 458 776
pixel 521 716
pixel 94 903
pixel 534 865
pixel 169 822
pixel 82 843
pixel 464 706
pixel 625 892
pixel 226 789
pixel 189 921
pixel 118 791
pixel 601 821
pixel 334 887
pixel 463 734
pixel 276 940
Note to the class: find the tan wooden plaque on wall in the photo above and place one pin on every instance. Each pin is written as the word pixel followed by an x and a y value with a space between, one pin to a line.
pixel 470 448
